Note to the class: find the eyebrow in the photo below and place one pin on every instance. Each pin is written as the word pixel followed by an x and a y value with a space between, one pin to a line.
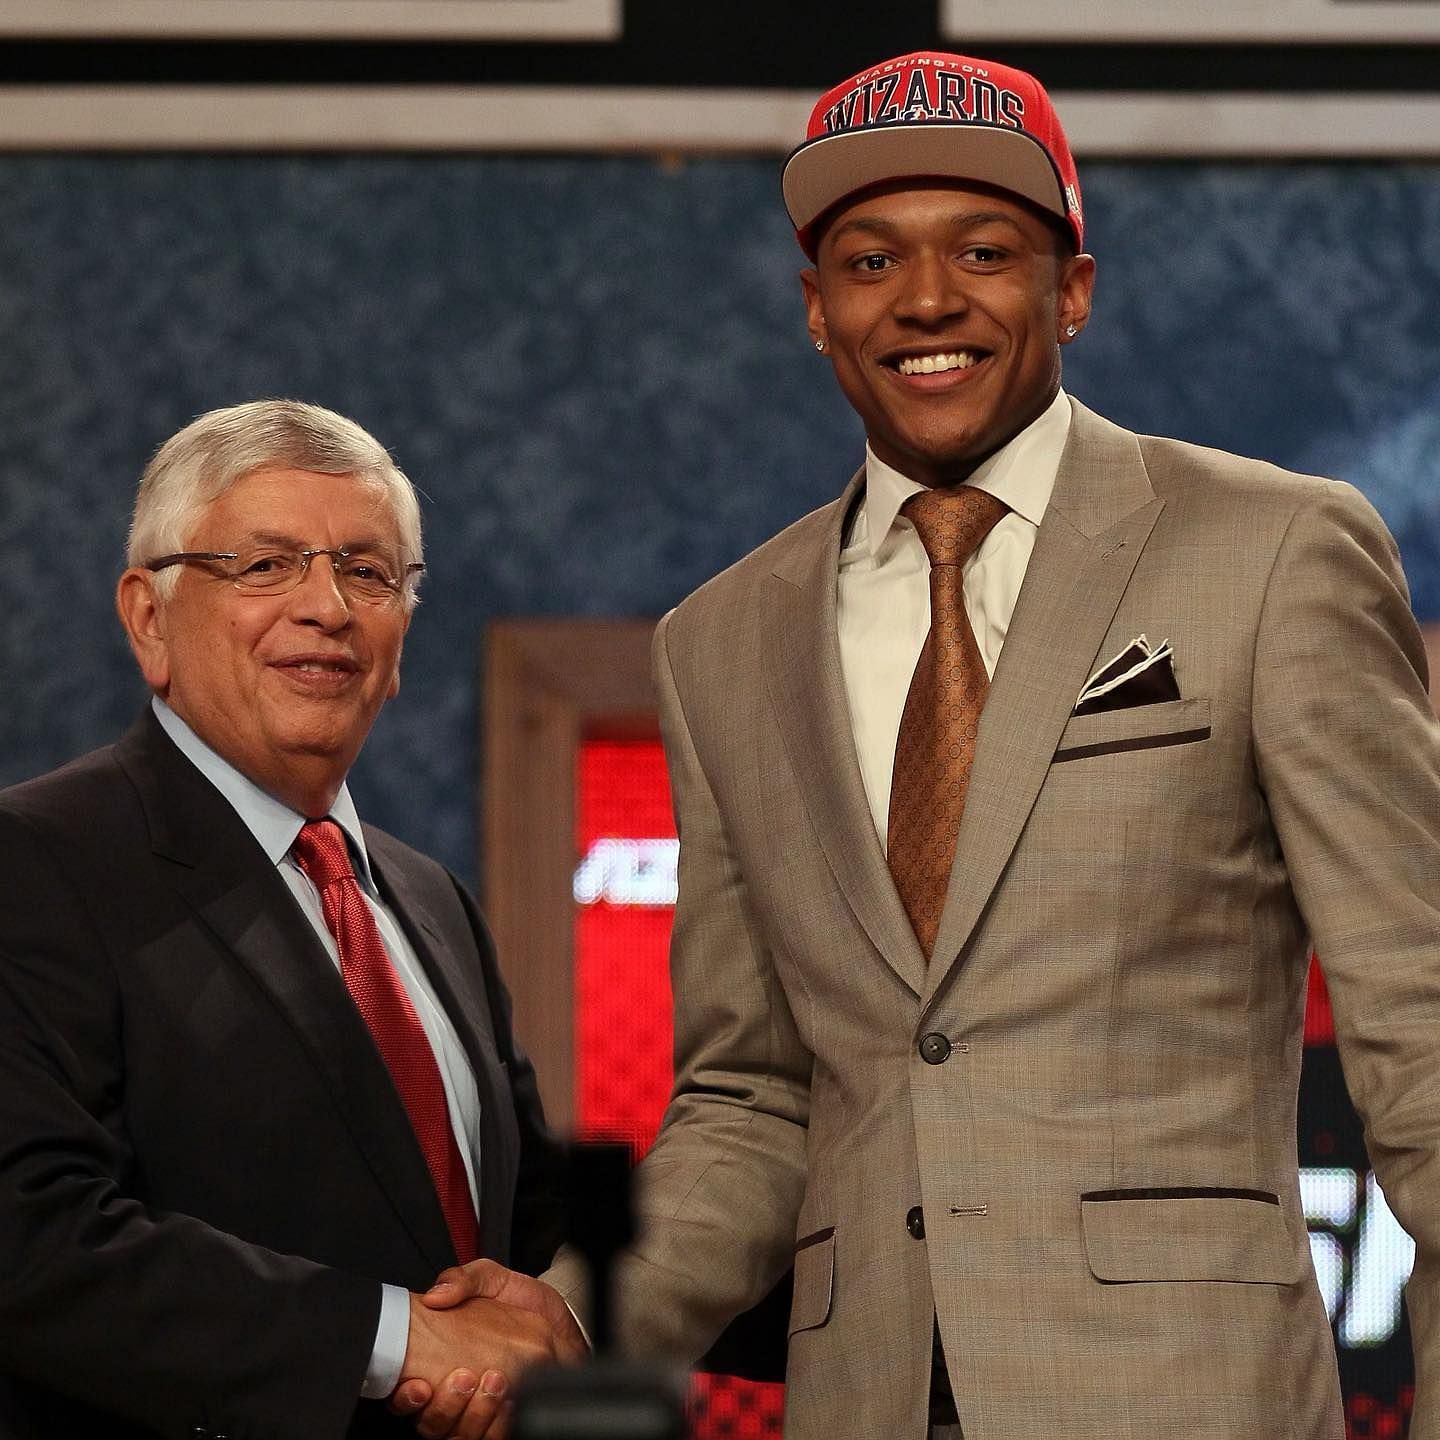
pixel 290 542
pixel 961 219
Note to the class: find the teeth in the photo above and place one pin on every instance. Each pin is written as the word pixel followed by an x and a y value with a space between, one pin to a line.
pixel 935 364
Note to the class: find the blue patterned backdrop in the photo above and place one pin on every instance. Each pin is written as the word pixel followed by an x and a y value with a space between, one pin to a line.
pixel 597 371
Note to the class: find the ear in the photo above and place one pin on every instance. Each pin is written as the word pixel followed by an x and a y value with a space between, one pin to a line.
pixel 814 308
pixel 143 616
pixel 1077 287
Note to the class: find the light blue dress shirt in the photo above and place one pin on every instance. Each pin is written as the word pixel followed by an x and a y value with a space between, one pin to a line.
pixel 275 826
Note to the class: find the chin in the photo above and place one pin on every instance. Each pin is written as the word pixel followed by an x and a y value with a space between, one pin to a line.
pixel 317 742
pixel 936 438
pixel 953 459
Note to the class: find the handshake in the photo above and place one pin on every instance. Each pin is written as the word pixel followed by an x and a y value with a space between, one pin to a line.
pixel 471 1336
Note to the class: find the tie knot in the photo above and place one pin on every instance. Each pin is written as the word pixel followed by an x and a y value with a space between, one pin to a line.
pixel 320 851
pixel 952 523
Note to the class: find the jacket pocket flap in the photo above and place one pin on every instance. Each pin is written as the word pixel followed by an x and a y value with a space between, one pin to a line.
pixel 1189 1237
pixel 814 1280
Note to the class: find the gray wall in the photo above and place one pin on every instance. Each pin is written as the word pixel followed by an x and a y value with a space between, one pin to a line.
pixel 597 371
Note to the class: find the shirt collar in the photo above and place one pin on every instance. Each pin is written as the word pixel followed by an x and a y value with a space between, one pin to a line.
pixel 1021 473
pixel 273 823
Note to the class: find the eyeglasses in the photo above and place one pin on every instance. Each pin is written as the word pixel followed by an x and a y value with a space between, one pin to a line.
pixel 364 575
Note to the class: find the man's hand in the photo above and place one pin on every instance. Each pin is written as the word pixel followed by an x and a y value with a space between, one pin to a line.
pixel 535 1326
pixel 462 1406
pixel 490 1280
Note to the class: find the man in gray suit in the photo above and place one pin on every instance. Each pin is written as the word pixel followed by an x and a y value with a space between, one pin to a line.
pixel 1013 788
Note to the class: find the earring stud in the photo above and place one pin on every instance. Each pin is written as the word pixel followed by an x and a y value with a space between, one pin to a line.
pixel 1071 331
pixel 820 346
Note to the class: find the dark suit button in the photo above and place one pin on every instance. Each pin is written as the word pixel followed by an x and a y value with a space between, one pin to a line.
pixel 199 1432
pixel 915 1223
pixel 934 1049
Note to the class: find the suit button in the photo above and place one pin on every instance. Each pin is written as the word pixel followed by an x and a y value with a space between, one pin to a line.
pixel 934 1049
pixel 915 1223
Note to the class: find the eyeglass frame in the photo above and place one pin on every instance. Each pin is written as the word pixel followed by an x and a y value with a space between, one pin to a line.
pixel 413 569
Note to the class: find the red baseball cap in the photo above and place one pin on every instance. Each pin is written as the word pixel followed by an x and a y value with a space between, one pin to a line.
pixel 934 115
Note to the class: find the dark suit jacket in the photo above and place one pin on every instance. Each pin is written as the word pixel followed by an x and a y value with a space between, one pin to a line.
pixel 205 1170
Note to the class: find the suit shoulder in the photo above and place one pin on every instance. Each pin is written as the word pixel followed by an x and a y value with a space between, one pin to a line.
pixel 71 843
pixel 1178 467
pixel 71 796
pixel 737 584
pixel 1265 506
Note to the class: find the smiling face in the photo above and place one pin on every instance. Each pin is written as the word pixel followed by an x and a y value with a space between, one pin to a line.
pixel 285 687
pixel 943 309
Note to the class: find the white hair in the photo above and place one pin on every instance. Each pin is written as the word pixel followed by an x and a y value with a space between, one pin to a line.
pixel 195 467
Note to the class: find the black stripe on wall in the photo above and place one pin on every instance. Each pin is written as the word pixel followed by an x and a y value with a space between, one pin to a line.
pixel 683 50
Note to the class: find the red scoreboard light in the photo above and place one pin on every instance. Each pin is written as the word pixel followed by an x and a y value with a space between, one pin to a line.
pixel 625 901
pixel 624 890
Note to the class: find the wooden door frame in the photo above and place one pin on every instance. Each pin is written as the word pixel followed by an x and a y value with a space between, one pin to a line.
pixel 548 686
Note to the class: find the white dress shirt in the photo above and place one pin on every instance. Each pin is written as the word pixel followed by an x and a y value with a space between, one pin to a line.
pixel 275 826
pixel 883 586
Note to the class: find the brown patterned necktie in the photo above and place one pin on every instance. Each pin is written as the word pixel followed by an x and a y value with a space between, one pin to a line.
pixel 935 749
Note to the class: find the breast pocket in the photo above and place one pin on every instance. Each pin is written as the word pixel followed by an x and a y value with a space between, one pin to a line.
pixel 1141 727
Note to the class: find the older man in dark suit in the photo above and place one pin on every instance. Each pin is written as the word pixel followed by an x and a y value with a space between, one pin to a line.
pixel 257 1080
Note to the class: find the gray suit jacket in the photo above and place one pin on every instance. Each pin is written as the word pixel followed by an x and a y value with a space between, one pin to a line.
pixel 1088 1168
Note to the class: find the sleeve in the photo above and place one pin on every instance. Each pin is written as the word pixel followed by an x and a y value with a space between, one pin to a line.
pixel 152 1316
pixel 1349 755
pixel 718 1195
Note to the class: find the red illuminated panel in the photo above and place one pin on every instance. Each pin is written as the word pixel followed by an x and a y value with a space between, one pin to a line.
pixel 624 892
pixel 724 1408
pixel 1319 1021
pixel 623 1036
pixel 1367 1418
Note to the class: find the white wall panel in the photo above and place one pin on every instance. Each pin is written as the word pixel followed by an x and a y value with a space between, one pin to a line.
pixel 297 19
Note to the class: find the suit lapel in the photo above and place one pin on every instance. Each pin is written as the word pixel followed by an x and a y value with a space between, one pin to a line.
pixel 1098 521
pixel 454 970
pixel 807 689
pixel 237 894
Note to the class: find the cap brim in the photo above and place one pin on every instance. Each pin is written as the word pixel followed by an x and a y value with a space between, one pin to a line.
pixel 823 171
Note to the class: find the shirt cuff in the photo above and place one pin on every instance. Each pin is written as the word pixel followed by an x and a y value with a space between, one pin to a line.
pixel 392 1339
pixel 579 1325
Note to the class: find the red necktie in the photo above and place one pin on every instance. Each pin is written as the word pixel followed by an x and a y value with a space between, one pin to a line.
pixel 320 851
pixel 935 748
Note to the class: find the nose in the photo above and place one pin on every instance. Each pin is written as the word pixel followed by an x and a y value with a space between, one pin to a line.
pixel 932 292
pixel 318 598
